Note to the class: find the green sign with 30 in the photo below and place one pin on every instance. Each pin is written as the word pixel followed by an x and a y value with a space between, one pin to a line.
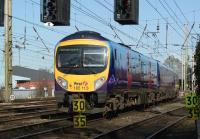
pixel 191 103
pixel 191 100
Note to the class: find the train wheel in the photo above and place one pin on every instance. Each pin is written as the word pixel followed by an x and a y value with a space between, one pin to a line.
pixel 111 108
pixel 107 113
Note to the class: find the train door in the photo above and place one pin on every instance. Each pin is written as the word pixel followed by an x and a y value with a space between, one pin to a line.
pixel 143 71
pixel 117 68
pixel 129 70
pixel 120 67
pixel 150 75
pixel 158 75
pixel 116 64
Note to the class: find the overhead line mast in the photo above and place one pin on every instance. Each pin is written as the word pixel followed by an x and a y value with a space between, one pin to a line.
pixel 8 49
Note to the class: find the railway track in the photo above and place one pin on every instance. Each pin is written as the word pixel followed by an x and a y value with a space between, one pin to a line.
pixel 148 128
pixel 31 102
pixel 162 130
pixel 182 129
pixel 26 107
pixel 28 129
pixel 9 118
pixel 23 107
pixel 10 113
pixel 39 123
pixel 14 112
pixel 34 99
pixel 38 128
pixel 63 127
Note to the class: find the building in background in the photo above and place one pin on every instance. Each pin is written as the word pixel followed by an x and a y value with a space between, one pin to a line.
pixel 32 83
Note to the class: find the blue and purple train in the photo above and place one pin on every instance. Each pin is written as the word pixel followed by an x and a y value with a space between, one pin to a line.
pixel 99 70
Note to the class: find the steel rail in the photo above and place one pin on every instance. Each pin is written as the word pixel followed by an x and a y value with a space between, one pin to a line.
pixel 30 115
pixel 139 122
pixel 165 128
pixel 52 130
pixel 90 121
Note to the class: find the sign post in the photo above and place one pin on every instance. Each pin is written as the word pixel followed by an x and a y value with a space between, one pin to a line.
pixel 80 119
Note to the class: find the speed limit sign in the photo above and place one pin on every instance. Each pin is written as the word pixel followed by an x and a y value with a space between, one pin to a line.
pixel 12 97
pixel 79 121
pixel 191 100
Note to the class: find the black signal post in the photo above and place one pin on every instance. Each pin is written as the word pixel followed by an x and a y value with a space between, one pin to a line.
pixel 1 13
pixel 56 12
pixel 126 12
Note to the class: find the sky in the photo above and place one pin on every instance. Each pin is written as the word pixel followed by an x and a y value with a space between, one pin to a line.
pixel 152 13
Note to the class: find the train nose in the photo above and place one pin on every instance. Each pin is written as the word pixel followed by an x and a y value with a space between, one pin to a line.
pixel 81 84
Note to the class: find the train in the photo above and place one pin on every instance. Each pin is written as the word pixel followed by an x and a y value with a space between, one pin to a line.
pixel 90 66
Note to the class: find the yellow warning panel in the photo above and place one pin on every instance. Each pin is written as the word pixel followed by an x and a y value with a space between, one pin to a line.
pixel 79 121
pixel 194 113
pixel 191 100
pixel 78 105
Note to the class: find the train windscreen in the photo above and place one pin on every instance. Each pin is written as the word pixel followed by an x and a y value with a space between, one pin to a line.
pixel 81 59
pixel 69 57
pixel 94 57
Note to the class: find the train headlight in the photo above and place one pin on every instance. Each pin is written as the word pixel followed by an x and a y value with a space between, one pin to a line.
pixel 62 82
pixel 99 82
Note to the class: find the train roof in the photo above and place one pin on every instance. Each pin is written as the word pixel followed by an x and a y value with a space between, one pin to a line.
pixel 95 35
pixel 85 35
pixel 129 47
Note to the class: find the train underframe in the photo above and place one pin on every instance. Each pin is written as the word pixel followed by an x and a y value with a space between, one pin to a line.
pixel 119 99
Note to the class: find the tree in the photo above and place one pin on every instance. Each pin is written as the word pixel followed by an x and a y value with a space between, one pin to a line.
pixel 173 63
pixel 197 76
pixel 44 84
pixel 197 67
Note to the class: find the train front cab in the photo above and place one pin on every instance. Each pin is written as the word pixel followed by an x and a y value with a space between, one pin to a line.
pixel 81 67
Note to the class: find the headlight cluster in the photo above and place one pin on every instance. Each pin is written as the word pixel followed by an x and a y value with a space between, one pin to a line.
pixel 99 82
pixel 62 82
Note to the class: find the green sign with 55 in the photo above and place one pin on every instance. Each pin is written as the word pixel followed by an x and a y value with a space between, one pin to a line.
pixel 192 101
